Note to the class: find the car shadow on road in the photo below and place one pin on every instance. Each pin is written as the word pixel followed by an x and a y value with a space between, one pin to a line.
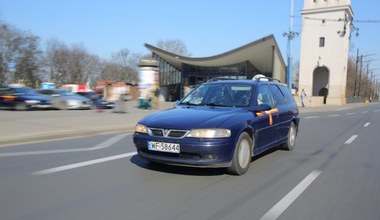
pixel 189 171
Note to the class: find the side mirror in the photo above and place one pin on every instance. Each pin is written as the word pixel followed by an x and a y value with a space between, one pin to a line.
pixel 261 108
pixel 176 103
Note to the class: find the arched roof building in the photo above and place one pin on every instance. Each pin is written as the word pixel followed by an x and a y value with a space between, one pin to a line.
pixel 259 57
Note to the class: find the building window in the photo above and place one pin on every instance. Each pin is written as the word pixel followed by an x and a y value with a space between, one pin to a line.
pixel 321 42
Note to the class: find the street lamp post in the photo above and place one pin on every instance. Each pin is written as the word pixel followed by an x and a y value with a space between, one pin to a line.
pixel 290 35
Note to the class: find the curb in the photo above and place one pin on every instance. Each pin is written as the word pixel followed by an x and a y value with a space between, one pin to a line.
pixel 42 137
pixel 128 127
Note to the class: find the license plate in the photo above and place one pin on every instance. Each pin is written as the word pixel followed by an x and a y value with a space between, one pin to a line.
pixel 163 147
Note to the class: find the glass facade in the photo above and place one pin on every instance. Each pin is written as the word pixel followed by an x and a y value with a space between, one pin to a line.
pixel 193 75
pixel 172 80
pixel 197 74
pixel 169 75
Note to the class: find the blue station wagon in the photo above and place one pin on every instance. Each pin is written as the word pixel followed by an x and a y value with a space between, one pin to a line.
pixel 221 123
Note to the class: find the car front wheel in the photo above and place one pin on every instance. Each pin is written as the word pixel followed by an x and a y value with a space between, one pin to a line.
pixel 62 106
pixel 21 106
pixel 242 156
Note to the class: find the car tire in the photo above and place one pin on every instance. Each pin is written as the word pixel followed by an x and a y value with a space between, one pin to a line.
pixel 21 106
pixel 62 106
pixel 291 141
pixel 242 157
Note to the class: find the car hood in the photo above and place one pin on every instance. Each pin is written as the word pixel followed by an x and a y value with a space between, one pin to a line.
pixel 34 97
pixel 185 118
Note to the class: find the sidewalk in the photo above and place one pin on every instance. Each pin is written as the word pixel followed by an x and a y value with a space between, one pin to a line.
pixel 27 126
pixel 21 127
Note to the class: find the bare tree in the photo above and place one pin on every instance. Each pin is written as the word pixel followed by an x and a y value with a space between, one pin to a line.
pixel 122 67
pixel 64 65
pixel 27 67
pixel 92 69
pixel 59 63
pixel 21 50
pixel 351 78
pixel 174 46
pixel 55 62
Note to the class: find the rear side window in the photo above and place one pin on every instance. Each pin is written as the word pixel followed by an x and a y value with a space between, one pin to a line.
pixel 287 94
pixel 264 96
pixel 277 95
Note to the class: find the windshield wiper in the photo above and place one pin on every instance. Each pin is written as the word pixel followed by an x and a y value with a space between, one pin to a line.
pixel 213 104
pixel 188 103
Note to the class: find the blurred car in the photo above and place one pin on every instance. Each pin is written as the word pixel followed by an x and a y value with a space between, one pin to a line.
pixel 221 123
pixel 97 100
pixel 64 100
pixel 22 98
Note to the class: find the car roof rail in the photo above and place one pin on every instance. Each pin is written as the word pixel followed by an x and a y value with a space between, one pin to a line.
pixel 261 77
pixel 220 78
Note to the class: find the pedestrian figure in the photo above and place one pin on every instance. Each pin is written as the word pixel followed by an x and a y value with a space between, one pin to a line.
pixel 303 95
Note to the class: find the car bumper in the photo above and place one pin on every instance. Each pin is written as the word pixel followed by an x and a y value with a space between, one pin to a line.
pixel 79 107
pixel 41 106
pixel 194 152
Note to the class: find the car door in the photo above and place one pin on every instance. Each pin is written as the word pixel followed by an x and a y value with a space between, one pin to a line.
pixel 267 122
pixel 284 112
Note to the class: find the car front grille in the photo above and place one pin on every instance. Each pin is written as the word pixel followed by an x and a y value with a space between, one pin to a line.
pixel 159 132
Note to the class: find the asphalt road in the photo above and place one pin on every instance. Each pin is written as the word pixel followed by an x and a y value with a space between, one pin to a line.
pixel 333 173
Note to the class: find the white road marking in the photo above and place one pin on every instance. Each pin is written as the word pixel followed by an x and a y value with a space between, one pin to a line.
pixel 83 164
pixel 289 198
pixel 105 144
pixel 351 139
pixel 364 112
pixel 351 113
pixel 334 115
pixel 366 124
pixel 377 110
pixel 312 117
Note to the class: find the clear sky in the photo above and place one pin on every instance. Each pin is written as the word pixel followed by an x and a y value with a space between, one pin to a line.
pixel 207 27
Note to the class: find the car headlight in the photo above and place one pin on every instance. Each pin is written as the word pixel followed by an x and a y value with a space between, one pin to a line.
pixel 31 102
pixel 210 133
pixel 141 129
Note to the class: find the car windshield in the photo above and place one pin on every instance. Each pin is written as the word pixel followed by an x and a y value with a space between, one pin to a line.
pixel 65 93
pixel 226 95
pixel 25 91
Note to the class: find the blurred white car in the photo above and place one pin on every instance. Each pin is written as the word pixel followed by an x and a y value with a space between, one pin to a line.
pixel 63 99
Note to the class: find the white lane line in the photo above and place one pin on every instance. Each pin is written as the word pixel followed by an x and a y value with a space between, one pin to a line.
pixel 377 110
pixel 287 200
pixel 351 113
pixel 366 124
pixel 312 117
pixel 351 139
pixel 105 144
pixel 364 112
pixel 334 115
pixel 83 164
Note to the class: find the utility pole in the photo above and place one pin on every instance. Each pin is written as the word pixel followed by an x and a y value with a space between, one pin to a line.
pixel 360 74
pixel 356 71
pixel 290 35
pixel 361 70
pixel 366 82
